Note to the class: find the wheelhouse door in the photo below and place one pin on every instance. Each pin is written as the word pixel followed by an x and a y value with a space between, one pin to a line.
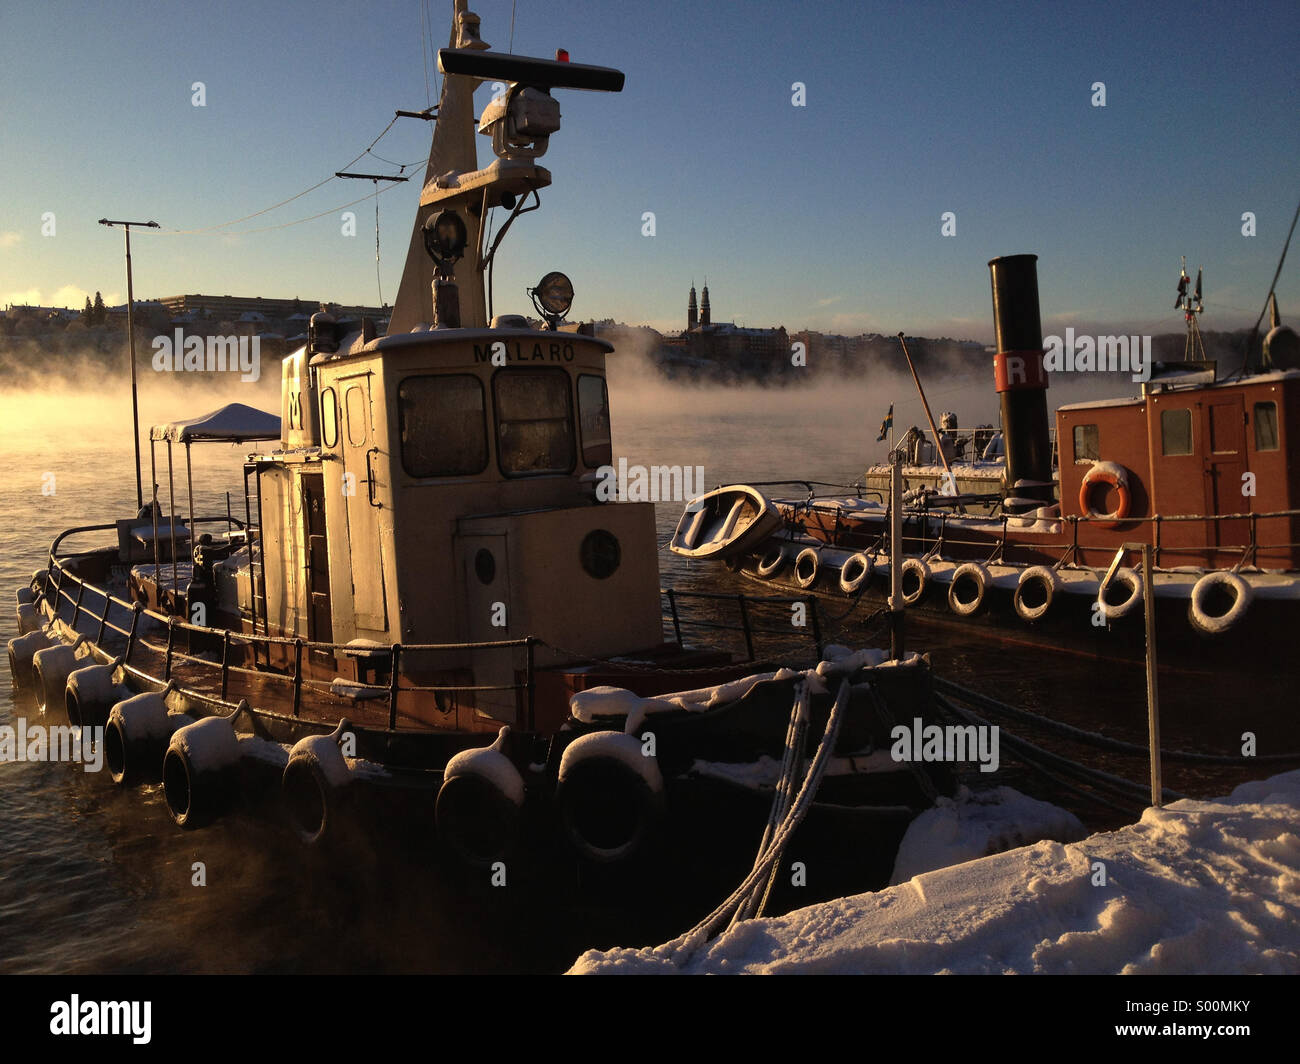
pixel 362 466
pixel 1225 462
pixel 320 623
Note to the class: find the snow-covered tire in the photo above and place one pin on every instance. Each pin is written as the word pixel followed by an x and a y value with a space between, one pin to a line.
pixel 1133 582
pixel 1037 580
pixel 1205 586
pixel 968 573
pixel 807 567
pixel 610 797
pixel 479 804
pixel 921 571
pixel 855 572
pixel 771 563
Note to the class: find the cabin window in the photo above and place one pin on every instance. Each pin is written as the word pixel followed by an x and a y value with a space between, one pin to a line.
pixel 355 399
pixel 1175 432
pixel 1266 426
pixel 441 423
pixel 593 420
pixel 534 422
pixel 329 417
pixel 1087 443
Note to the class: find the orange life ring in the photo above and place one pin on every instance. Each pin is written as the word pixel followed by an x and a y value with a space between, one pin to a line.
pixel 1117 480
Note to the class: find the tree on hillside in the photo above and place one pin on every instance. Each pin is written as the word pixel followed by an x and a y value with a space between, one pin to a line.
pixel 100 314
pixel 87 312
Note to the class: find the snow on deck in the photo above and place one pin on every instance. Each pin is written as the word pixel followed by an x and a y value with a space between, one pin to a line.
pixel 1198 887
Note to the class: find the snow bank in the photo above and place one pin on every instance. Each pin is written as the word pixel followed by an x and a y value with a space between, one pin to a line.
pixel 977 824
pixel 1197 887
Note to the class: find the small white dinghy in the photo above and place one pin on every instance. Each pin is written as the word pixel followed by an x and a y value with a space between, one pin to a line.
pixel 724 522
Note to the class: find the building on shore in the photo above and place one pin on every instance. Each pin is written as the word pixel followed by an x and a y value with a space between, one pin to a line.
pixel 725 348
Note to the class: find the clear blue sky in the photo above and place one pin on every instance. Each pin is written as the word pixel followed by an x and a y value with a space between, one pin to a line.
pixel 826 216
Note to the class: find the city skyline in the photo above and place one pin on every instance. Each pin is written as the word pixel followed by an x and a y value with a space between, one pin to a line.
pixel 808 161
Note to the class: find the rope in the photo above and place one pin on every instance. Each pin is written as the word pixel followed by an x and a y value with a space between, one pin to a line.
pixel 1095 739
pixel 682 948
pixel 795 734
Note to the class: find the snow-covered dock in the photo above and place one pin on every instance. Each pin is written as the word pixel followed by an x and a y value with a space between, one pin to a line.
pixel 1198 887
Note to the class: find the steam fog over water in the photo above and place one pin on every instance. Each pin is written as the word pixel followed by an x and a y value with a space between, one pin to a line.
pixel 95 878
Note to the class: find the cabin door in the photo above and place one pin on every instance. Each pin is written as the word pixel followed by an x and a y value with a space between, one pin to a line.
pixel 362 466
pixel 320 625
pixel 1225 462
pixel 487 600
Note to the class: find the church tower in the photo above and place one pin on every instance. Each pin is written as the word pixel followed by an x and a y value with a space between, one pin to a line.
pixel 692 316
pixel 705 318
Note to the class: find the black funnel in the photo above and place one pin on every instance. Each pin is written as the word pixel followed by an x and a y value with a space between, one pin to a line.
pixel 1021 381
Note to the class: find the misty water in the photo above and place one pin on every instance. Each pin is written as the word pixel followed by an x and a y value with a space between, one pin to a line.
pixel 95 878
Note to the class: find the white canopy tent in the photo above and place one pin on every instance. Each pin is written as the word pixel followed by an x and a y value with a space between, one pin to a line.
pixel 232 423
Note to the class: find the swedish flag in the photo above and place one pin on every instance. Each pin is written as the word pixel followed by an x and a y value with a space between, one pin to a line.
pixel 887 424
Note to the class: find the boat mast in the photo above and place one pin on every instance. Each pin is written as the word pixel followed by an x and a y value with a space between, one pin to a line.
pixel 1191 307
pixel 453 150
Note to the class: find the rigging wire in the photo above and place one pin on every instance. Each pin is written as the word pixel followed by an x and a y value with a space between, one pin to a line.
pixel 378 283
pixel 275 206
pixel 424 49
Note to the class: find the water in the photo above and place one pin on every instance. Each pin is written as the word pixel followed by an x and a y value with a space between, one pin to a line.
pixel 95 879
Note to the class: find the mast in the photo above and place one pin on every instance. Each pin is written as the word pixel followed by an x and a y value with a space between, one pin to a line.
pixel 453 151
pixel 1191 306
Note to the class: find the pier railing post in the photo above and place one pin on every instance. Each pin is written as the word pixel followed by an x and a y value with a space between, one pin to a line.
pixel 677 622
pixel 171 641
pixel 744 623
pixel 225 663
pixel 136 610
pixel 896 642
pixel 530 678
pixel 1153 695
pixel 297 675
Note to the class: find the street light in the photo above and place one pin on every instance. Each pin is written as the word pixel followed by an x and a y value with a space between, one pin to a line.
pixel 130 332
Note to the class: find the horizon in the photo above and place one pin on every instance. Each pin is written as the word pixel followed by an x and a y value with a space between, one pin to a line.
pixel 824 216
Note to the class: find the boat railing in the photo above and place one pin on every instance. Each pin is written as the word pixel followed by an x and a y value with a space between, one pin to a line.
pixel 128 622
pixel 747 606
pixel 64 585
pixel 1239 554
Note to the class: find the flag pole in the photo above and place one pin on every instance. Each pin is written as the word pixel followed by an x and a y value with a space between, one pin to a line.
pixel 130 332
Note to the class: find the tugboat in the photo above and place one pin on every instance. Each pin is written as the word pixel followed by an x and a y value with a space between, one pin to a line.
pixel 425 608
pixel 1202 466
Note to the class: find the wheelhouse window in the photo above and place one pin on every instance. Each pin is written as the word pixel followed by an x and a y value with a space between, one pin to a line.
pixel 593 420
pixel 354 400
pixel 329 417
pixel 1266 426
pixel 1087 443
pixel 534 411
pixel 442 425
pixel 1175 432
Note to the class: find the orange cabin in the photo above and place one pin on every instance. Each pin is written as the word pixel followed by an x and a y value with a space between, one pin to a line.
pixel 1194 452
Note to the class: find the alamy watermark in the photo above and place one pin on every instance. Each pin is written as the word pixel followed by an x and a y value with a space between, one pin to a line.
pixel 61 742
pixel 77 1017
pixel 637 483
pixel 196 354
pixel 952 743
pixel 1100 354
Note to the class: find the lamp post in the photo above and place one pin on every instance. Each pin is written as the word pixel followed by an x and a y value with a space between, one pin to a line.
pixel 130 332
